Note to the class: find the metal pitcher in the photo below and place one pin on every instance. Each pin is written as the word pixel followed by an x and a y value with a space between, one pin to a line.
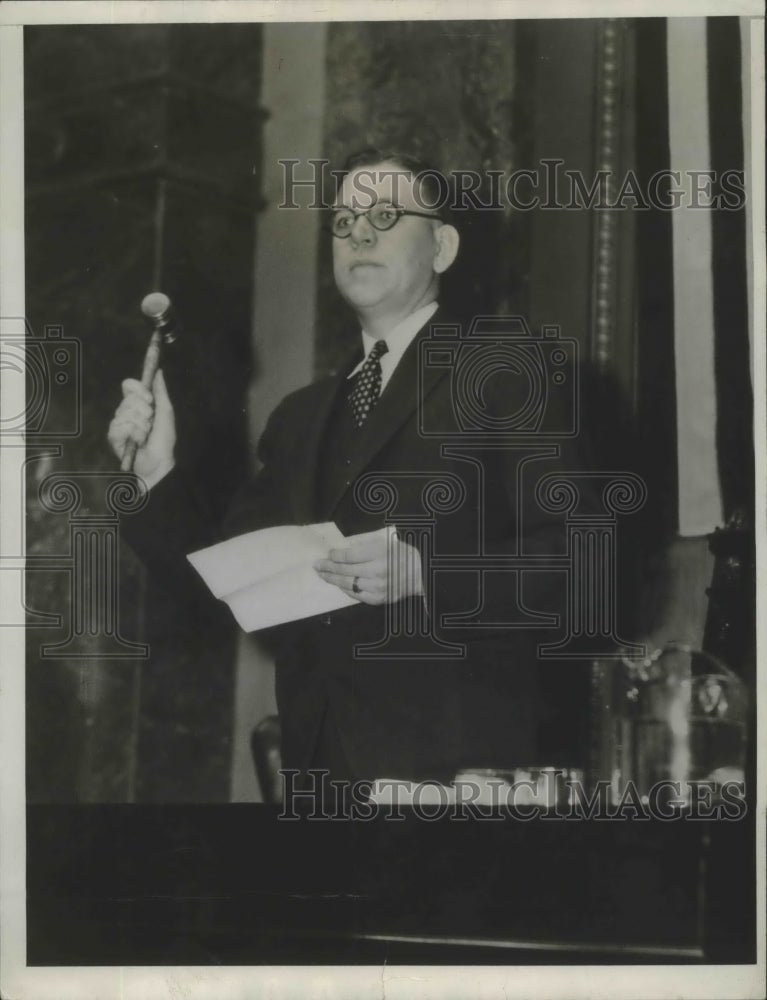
pixel 678 716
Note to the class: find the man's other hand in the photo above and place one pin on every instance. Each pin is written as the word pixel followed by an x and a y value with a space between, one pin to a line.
pixel 375 568
pixel 148 419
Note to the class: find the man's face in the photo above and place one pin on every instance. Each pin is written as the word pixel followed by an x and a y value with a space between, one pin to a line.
pixel 377 272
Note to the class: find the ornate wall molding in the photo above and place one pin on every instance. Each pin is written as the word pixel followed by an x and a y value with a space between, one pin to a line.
pixel 608 134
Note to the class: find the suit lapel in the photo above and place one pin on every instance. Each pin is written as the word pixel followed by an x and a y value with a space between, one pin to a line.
pixel 399 400
pixel 304 477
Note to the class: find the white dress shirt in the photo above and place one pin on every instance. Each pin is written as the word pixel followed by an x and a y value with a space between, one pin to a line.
pixel 397 340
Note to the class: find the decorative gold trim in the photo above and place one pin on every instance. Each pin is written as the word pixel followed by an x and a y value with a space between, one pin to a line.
pixel 608 131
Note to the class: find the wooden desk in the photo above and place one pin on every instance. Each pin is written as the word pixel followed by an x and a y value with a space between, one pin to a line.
pixel 236 885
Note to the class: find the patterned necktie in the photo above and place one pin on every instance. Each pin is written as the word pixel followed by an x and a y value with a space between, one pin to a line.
pixel 367 384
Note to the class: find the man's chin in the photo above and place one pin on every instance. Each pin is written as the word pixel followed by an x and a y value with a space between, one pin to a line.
pixel 361 297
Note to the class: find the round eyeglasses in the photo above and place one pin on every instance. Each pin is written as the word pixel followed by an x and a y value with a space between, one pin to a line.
pixel 380 217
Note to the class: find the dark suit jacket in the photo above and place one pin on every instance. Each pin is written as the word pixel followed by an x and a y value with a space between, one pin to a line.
pixel 400 714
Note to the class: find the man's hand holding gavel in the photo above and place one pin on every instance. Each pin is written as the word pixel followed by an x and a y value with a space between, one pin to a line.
pixel 146 418
pixel 143 431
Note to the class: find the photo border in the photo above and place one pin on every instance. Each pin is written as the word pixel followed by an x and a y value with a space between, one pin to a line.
pixel 19 981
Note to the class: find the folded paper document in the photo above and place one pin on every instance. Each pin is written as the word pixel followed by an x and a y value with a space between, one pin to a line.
pixel 267 577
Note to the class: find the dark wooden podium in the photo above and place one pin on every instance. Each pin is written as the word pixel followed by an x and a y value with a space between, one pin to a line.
pixel 236 885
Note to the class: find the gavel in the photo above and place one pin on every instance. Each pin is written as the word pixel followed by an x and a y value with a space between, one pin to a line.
pixel 156 307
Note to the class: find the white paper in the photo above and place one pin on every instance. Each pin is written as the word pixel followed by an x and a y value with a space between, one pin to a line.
pixel 267 577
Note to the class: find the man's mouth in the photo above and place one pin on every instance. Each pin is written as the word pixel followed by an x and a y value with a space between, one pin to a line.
pixel 362 263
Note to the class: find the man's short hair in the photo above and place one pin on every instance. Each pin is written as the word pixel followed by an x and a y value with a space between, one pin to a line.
pixel 433 193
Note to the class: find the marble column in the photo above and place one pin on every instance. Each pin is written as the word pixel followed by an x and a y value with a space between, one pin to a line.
pixel 142 172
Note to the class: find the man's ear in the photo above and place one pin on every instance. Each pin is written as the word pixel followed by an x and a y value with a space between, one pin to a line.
pixel 447 242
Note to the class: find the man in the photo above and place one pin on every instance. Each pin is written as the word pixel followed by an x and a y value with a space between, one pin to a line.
pixel 436 698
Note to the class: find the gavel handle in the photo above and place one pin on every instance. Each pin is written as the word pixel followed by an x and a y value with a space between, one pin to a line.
pixel 151 364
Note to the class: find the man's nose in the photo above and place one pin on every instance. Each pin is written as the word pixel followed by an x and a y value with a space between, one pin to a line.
pixel 362 231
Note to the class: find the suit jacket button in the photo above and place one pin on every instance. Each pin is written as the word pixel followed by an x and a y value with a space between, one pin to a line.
pixel 326 620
